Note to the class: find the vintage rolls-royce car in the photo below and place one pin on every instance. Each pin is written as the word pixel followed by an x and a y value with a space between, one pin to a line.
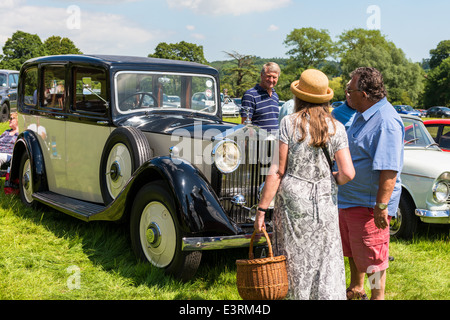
pixel 101 140
pixel 425 181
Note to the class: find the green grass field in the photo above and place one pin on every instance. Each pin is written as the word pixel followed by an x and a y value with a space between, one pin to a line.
pixel 46 255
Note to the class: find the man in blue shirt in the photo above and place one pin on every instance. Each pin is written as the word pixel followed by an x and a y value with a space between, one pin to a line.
pixel 262 100
pixel 365 203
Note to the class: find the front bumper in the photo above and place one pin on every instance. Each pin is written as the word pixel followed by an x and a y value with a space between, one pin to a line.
pixel 222 242
pixel 434 216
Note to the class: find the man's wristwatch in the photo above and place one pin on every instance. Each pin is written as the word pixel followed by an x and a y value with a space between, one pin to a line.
pixel 381 206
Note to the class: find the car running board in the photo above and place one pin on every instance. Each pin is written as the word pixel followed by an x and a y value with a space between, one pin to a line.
pixel 77 208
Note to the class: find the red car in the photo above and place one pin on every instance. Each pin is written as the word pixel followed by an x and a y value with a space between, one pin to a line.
pixel 440 131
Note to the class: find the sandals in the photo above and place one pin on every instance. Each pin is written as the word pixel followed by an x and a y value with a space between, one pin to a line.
pixel 353 294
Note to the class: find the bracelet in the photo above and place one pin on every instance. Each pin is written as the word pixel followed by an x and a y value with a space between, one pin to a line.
pixel 263 210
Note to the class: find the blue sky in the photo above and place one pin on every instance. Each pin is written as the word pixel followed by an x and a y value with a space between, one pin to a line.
pixel 256 27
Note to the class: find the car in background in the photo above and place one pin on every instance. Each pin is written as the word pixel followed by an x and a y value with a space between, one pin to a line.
pixel 440 131
pixel 405 109
pixel 337 104
pixel 229 108
pixel 438 112
pixel 9 80
pixel 425 181
pixel 175 100
pixel 203 101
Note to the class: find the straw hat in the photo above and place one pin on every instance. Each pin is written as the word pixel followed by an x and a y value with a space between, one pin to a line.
pixel 312 87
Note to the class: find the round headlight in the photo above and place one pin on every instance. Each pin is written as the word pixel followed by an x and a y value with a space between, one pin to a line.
pixel 226 156
pixel 441 191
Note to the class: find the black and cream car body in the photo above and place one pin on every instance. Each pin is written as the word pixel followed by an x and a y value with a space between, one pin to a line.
pixel 98 141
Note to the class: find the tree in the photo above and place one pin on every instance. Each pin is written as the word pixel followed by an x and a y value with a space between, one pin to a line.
pixel 179 51
pixel 19 48
pixel 439 54
pixel 55 45
pixel 356 38
pixel 309 47
pixel 242 75
pixel 437 85
pixel 368 48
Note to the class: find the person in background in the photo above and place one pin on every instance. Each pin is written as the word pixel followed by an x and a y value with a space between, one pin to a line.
pixel 367 202
pixel 262 100
pixel 286 108
pixel 8 139
pixel 306 226
pixel 344 113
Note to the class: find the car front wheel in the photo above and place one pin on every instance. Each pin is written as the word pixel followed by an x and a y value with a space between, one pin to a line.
pixel 405 224
pixel 155 235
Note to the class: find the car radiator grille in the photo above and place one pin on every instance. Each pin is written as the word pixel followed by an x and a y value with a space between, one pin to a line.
pixel 247 179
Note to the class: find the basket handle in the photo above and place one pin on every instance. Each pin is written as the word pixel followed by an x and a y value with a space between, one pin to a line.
pixel 269 244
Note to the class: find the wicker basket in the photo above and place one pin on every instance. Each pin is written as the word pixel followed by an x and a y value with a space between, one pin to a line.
pixel 264 278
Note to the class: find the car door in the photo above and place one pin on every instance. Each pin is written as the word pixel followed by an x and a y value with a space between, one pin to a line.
pixel 87 130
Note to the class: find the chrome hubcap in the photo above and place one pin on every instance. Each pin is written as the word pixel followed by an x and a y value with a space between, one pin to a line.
pixel 27 185
pixel 157 234
pixel 153 235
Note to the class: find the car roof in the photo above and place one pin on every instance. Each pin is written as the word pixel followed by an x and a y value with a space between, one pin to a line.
pixel 127 61
pixel 9 71
pixel 409 116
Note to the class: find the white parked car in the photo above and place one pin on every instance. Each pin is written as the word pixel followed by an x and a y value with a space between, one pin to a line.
pixel 425 181
pixel 229 108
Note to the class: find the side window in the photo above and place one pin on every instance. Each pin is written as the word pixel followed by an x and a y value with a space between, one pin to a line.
pixel 90 90
pixel 433 130
pixel 12 80
pixel 53 95
pixel 2 80
pixel 445 138
pixel 30 87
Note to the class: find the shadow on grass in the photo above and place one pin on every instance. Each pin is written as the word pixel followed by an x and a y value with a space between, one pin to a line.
pixel 108 244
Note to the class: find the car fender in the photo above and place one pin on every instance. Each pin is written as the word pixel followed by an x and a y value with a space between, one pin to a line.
pixel 199 208
pixel 27 141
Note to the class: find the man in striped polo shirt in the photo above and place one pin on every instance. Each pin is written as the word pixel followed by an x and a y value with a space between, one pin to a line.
pixel 262 100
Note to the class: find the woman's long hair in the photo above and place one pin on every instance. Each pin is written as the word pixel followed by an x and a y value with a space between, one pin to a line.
pixel 316 115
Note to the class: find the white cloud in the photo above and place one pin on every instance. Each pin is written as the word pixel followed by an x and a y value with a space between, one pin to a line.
pixel 98 32
pixel 233 7
pixel 198 36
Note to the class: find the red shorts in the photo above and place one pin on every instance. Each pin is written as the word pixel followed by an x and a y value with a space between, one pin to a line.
pixel 362 240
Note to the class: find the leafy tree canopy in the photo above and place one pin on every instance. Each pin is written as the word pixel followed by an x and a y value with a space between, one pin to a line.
pixel 55 45
pixel 19 48
pixel 179 51
pixel 437 86
pixel 309 47
pixel 439 54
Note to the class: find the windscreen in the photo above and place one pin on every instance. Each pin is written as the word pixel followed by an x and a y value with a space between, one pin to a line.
pixel 137 91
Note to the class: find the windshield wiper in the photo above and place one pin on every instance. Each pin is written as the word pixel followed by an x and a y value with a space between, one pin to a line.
pixel 432 144
pixel 411 141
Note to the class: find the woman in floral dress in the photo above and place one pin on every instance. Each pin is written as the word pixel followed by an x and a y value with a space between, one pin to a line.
pixel 306 228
